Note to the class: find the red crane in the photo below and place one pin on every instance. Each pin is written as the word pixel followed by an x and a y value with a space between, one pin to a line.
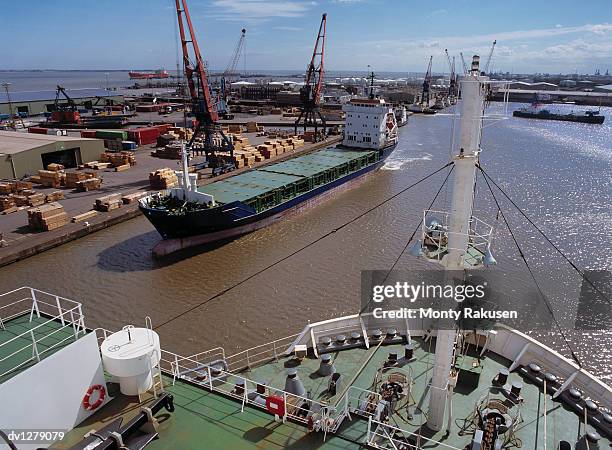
pixel 310 93
pixel 202 105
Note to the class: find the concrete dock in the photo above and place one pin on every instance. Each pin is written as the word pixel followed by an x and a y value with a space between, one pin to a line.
pixel 20 242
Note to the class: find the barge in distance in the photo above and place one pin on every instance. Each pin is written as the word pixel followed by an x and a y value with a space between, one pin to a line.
pixel 535 112
pixel 191 215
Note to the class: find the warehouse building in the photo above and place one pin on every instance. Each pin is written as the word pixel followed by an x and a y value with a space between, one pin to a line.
pixel 32 103
pixel 24 154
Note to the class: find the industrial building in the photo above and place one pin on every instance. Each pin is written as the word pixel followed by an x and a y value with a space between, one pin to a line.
pixel 32 103
pixel 25 153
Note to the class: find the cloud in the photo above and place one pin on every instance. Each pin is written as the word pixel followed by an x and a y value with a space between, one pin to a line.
pixel 438 12
pixel 259 10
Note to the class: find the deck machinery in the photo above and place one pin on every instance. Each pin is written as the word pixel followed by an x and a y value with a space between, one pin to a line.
pixel 210 139
pixel 310 93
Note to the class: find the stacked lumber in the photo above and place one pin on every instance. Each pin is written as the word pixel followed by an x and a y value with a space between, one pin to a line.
pixel 6 188
pixel 119 159
pixel 252 127
pixel 55 167
pixel 89 184
pixel 50 178
pixel 163 179
pixel 170 151
pixel 7 204
pixel 47 217
pixel 84 216
pixel 165 139
pixel 72 178
pixel 131 198
pixel 34 179
pixel 52 197
pixel 38 199
pixel 108 202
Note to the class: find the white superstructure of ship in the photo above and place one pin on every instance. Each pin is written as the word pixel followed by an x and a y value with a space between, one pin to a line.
pixel 370 123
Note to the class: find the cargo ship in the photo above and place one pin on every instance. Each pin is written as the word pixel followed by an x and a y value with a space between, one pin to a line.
pixel 192 215
pixel 158 74
pixel 535 111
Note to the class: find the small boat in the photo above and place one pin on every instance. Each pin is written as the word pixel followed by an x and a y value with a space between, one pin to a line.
pixel 158 74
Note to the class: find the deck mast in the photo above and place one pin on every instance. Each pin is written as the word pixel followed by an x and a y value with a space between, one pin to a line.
pixel 459 232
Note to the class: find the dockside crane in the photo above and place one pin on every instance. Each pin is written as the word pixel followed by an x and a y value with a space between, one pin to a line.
pixel 228 76
pixel 426 84
pixel 486 66
pixel 452 88
pixel 463 63
pixel 310 93
pixel 214 141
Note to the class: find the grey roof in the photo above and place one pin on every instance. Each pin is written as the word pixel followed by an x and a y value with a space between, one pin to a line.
pixel 13 142
pixel 34 96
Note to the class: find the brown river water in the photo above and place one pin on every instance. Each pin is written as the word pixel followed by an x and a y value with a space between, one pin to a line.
pixel 558 172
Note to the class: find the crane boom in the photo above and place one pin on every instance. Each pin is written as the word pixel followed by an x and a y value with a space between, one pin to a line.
pixel 452 88
pixel 486 67
pixel 310 93
pixel 463 63
pixel 427 84
pixel 230 70
pixel 202 105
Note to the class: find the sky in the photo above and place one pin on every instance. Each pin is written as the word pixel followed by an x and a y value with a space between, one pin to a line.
pixel 389 35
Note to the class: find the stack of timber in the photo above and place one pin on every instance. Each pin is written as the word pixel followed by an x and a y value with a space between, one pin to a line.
pixel 163 179
pixel 7 204
pixel 54 196
pixel 132 198
pixel 55 167
pixel 47 217
pixel 120 159
pixel 108 202
pixel 88 184
pixel 72 178
pixel 50 178
pixel 170 151
pixel 84 216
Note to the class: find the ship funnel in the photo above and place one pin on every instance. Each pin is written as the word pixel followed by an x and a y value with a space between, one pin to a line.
pixel 488 259
pixel 293 384
pixel 475 64
pixel 416 249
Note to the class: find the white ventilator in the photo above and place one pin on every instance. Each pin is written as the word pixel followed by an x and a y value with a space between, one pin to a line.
pixel 130 355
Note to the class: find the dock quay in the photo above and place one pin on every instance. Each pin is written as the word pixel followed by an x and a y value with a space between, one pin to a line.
pixel 19 242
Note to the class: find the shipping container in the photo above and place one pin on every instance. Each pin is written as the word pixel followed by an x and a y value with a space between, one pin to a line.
pixel 37 130
pixel 129 145
pixel 112 134
pixel 143 136
pixel 88 133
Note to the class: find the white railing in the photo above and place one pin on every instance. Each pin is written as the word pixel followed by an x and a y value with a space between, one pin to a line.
pixel 34 303
pixel 260 354
pixel 385 436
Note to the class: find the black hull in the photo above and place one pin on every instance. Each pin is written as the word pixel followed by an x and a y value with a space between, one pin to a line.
pixel 236 218
pixel 594 119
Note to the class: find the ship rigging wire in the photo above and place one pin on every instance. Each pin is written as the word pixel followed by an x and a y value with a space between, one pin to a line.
pixel 304 247
pixel 533 277
pixel 553 245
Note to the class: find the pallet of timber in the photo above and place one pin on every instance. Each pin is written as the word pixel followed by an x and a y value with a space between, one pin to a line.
pixel 163 179
pixel 91 164
pixel 10 210
pixel 84 216
pixel 39 199
pixel 122 168
pixel 108 202
pixel 47 217
pixel 53 196
pixel 20 200
pixel 72 178
pixel 132 198
pixel 6 202
pixel 89 184
pixel 55 167
pixel 35 179
pixel 6 188
pixel 50 178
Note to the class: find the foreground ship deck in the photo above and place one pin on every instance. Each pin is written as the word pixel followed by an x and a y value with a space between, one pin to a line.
pixel 216 398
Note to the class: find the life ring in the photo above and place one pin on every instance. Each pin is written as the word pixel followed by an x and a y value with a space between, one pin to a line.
pixel 101 396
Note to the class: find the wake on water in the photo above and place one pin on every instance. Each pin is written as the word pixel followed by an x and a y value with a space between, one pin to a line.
pixel 396 162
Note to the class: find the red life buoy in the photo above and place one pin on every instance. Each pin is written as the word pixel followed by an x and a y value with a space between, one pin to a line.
pixel 310 423
pixel 101 396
